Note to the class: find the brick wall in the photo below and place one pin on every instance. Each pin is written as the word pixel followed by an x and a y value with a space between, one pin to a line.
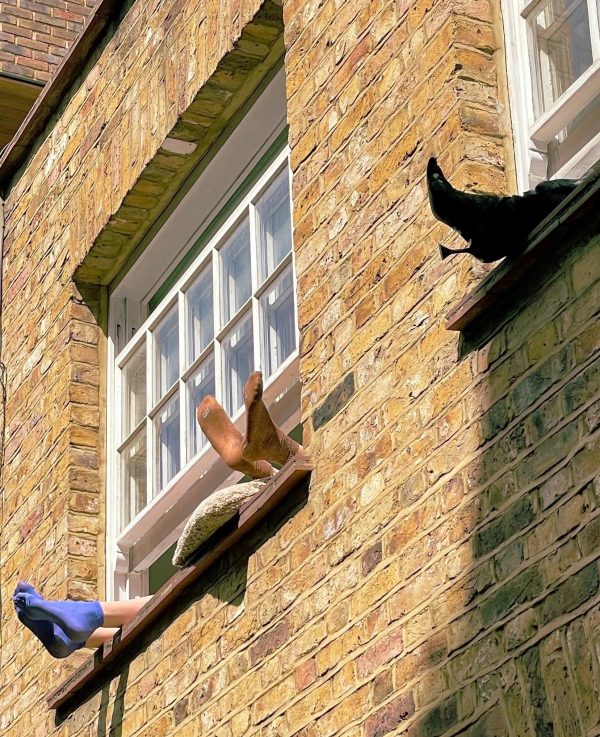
pixel 441 575
pixel 34 36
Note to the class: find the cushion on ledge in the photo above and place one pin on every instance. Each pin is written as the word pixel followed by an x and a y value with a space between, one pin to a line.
pixel 210 515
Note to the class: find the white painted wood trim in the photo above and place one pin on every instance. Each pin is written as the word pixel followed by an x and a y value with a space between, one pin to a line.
pixel 583 91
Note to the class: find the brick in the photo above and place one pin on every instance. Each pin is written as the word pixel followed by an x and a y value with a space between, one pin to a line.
pixel 372 558
pixel 532 674
pixel 574 591
pixel 586 684
pixel 439 719
pixel 589 537
pixel 515 518
pixel 269 642
pixel 334 402
pixel 430 450
pixel 581 389
pixel 521 628
pixel 380 653
pixel 585 270
pixel 306 674
pixel 548 453
pixel 383 686
pixel 389 717
pixel 522 588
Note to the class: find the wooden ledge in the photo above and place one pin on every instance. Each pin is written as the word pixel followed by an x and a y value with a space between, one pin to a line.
pixel 581 206
pixel 248 518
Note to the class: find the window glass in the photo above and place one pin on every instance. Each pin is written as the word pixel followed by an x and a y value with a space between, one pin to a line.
pixel 563 47
pixel 200 315
pixel 236 274
pixel 133 488
pixel 238 363
pixel 236 316
pixel 279 325
pixel 133 390
pixel 273 224
pixel 166 352
pixel 166 424
pixel 199 385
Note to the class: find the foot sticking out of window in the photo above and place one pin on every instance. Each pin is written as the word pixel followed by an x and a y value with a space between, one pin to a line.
pixel 254 454
pixel 66 626
pixel 493 226
pixel 265 444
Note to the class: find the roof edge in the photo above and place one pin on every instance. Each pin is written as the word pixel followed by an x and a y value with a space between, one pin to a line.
pixel 17 151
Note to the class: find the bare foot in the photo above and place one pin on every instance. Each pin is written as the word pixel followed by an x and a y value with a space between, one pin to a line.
pixel 264 440
pixel 227 440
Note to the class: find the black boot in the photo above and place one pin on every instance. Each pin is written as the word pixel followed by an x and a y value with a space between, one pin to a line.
pixel 493 226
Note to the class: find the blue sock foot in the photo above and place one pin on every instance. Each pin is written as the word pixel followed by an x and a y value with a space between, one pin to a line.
pixel 50 635
pixel 77 619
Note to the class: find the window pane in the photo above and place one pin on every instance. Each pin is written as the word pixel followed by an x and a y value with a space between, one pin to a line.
pixel 133 478
pixel 238 362
pixel 166 425
pixel 200 315
pixel 273 225
pixel 166 354
pixel 279 328
pixel 563 48
pixel 199 385
pixel 133 390
pixel 236 280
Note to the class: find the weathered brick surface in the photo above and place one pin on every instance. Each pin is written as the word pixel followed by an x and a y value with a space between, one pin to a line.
pixel 34 36
pixel 442 577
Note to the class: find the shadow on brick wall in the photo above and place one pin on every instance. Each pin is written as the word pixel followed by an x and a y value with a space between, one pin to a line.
pixel 116 721
pixel 519 654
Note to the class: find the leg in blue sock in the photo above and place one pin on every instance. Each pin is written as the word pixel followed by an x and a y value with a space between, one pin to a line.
pixel 77 619
pixel 74 623
pixel 50 635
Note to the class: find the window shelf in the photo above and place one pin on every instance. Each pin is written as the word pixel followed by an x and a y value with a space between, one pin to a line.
pixel 249 516
pixel 582 205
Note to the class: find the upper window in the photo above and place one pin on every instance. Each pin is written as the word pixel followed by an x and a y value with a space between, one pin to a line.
pixel 233 310
pixel 211 299
pixel 553 61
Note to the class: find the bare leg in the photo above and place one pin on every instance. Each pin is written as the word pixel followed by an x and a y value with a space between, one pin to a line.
pixel 227 440
pixel 263 438
pixel 118 613
pixel 100 636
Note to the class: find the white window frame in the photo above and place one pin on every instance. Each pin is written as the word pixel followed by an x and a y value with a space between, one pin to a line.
pixel 131 551
pixel 532 136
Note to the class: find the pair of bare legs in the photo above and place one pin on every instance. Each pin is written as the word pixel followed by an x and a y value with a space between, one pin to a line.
pixel 264 444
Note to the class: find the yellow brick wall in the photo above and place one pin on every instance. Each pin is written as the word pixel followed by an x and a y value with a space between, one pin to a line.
pixel 440 577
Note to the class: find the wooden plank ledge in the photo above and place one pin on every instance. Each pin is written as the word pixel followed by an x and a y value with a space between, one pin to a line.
pixel 249 516
pixel 582 205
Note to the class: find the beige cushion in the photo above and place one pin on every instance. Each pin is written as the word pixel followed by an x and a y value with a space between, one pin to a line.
pixel 210 515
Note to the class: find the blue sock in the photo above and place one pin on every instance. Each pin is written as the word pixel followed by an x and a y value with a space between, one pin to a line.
pixel 77 619
pixel 50 635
